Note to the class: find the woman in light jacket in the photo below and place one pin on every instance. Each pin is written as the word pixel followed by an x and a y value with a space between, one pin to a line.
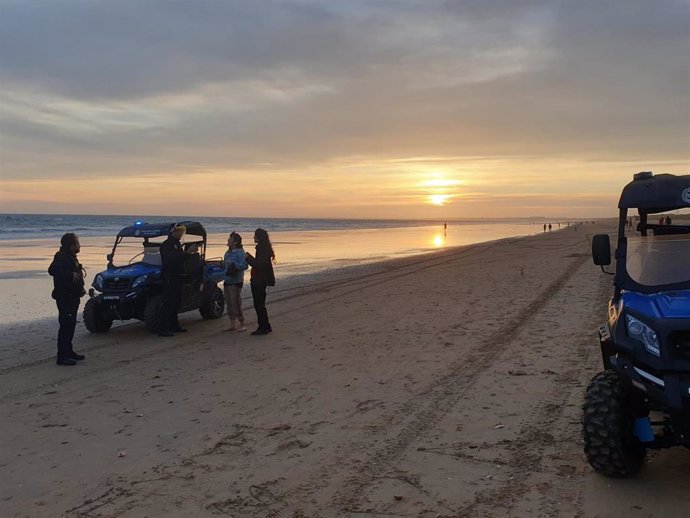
pixel 235 265
pixel 261 276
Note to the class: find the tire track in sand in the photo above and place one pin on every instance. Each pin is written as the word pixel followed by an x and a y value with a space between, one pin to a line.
pixel 536 438
pixel 428 407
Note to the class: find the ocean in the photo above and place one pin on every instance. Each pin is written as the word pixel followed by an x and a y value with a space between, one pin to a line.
pixel 28 226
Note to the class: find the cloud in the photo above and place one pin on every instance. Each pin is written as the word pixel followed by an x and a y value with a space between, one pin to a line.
pixel 131 88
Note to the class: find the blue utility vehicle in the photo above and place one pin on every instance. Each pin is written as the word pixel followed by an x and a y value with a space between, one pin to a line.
pixel 134 289
pixel 641 401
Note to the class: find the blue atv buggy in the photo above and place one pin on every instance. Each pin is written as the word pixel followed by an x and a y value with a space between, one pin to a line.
pixel 641 400
pixel 135 289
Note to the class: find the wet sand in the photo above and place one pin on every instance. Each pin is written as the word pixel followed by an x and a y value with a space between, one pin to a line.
pixel 440 385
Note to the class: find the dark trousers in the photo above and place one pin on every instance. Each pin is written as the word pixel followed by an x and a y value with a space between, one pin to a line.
pixel 67 305
pixel 172 296
pixel 259 296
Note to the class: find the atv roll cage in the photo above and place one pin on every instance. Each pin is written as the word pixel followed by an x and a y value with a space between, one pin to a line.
pixel 649 194
pixel 148 231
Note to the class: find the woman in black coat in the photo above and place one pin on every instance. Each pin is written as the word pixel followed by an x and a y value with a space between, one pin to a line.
pixel 261 277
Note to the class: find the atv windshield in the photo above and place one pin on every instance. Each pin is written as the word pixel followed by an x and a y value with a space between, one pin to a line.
pixel 130 250
pixel 659 260
pixel 133 250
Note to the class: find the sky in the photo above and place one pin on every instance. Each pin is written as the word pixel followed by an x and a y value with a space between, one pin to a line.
pixel 344 109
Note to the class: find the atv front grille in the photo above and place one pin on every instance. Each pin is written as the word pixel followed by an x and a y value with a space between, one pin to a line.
pixel 680 344
pixel 116 284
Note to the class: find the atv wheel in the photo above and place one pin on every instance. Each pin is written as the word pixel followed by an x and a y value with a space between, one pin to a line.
pixel 607 426
pixel 214 306
pixel 94 319
pixel 153 313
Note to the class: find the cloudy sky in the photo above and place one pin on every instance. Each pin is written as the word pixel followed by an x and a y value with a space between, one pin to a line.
pixel 339 108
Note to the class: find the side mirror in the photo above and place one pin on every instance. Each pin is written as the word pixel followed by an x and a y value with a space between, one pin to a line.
pixel 601 250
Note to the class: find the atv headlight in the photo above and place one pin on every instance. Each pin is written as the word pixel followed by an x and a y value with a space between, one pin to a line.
pixel 139 281
pixel 643 333
pixel 98 282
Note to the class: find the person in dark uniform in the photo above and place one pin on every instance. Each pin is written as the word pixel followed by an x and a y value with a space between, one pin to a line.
pixel 68 288
pixel 172 272
pixel 261 276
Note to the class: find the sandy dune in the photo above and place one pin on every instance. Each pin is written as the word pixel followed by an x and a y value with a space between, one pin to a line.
pixel 443 385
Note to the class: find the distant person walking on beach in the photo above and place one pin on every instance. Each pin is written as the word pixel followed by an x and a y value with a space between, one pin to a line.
pixel 235 265
pixel 68 288
pixel 172 271
pixel 544 227
pixel 261 277
pixel 549 227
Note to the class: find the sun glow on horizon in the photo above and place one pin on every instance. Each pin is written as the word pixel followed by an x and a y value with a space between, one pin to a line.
pixel 439 199
pixel 441 182
pixel 440 189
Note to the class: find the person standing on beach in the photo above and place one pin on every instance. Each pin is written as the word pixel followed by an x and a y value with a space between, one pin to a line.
pixel 172 272
pixel 261 277
pixel 68 288
pixel 235 264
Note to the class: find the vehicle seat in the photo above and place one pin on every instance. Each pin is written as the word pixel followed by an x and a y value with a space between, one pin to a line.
pixel 152 256
pixel 670 230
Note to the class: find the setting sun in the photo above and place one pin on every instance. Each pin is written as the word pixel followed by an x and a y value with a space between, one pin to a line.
pixel 439 199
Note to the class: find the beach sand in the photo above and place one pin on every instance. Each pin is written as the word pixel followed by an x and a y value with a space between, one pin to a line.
pixel 440 385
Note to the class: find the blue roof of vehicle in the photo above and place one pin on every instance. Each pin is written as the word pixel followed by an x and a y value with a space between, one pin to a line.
pixel 141 229
pixel 656 193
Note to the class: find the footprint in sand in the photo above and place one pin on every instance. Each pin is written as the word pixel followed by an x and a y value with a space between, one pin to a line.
pixel 369 404
pixel 294 444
